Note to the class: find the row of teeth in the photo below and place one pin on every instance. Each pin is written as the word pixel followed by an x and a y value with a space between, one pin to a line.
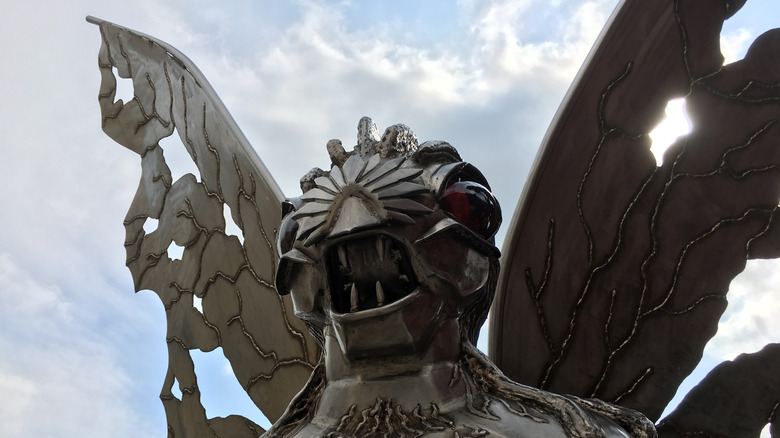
pixel 354 295
pixel 380 252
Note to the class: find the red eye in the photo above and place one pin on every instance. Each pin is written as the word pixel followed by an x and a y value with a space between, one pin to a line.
pixel 473 205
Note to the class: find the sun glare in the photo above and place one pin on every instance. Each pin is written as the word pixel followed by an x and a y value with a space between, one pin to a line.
pixel 674 125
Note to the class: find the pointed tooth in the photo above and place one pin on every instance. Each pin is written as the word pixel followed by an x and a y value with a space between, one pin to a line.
pixel 380 248
pixel 380 294
pixel 353 298
pixel 342 256
pixel 403 278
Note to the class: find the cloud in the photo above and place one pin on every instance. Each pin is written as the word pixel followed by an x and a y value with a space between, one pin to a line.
pixel 82 354
pixel 733 45
pixel 59 376
pixel 750 322
pixel 313 80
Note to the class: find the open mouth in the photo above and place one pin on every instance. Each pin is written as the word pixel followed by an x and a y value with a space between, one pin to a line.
pixel 368 272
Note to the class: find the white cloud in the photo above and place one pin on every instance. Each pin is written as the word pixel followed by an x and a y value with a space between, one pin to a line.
pixel 750 322
pixel 19 393
pixel 84 356
pixel 504 51
pixel 58 375
pixel 318 78
pixel 733 45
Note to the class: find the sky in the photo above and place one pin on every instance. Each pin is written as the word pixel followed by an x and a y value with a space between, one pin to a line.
pixel 80 353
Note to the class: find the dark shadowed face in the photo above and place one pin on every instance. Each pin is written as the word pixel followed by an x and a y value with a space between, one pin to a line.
pixel 381 250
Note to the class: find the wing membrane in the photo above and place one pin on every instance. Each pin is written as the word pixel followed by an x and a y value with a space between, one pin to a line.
pixel 269 349
pixel 615 270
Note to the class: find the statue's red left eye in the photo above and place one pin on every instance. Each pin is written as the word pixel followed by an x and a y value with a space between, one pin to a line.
pixel 473 205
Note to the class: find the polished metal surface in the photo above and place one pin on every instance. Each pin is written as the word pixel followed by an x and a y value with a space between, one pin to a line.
pixel 614 274
pixel 395 287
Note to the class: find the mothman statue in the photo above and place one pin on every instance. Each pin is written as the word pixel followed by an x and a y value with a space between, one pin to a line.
pixel 365 294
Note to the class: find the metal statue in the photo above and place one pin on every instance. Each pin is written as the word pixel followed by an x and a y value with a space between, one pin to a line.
pixel 613 276
pixel 389 259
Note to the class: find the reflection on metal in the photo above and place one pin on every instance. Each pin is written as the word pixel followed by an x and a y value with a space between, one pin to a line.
pixel 613 277
pixel 396 292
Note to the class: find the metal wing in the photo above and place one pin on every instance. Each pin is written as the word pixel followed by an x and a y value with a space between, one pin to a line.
pixel 616 269
pixel 752 384
pixel 269 349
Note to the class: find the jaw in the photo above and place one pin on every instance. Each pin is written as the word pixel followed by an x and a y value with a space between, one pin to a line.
pixel 378 307
pixel 367 273
pixel 401 328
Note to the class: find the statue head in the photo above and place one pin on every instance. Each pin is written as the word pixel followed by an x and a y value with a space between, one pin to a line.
pixel 393 241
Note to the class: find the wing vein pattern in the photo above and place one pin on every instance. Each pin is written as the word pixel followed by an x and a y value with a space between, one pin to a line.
pixel 615 268
pixel 218 294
